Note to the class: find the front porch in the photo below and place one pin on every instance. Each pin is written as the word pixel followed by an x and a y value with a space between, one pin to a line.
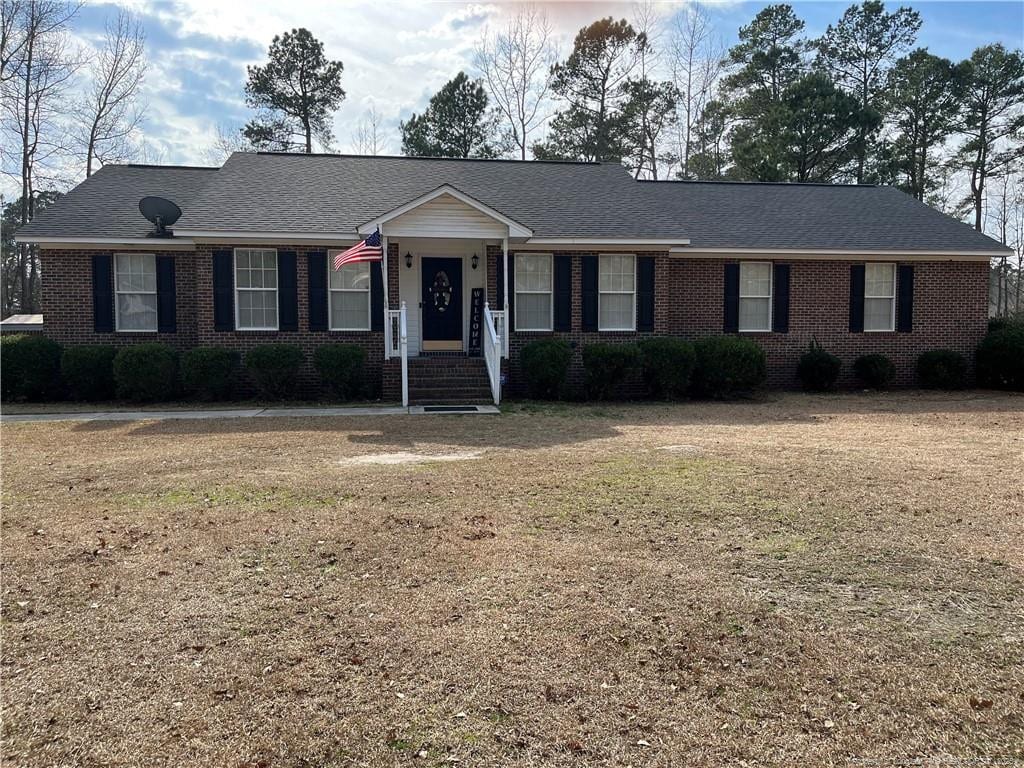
pixel 444 331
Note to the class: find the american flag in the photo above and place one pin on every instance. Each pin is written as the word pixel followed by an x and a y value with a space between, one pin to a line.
pixel 368 250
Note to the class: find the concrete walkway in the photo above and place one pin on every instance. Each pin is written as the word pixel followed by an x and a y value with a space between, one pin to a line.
pixel 245 413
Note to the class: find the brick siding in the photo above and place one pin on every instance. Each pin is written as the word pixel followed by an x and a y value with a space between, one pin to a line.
pixel 950 311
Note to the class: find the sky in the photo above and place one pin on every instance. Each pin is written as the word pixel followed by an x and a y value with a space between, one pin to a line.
pixel 396 54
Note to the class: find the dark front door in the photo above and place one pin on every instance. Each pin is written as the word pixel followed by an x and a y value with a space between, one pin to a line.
pixel 442 304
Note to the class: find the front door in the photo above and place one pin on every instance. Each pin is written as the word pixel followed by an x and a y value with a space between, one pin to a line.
pixel 442 304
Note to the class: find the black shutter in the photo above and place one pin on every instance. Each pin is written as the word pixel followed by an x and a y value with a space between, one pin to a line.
pixel 287 292
pixel 316 281
pixel 905 298
pixel 731 299
pixel 589 288
pixel 499 274
pixel 856 298
pixel 563 292
pixel 645 293
pixel 376 296
pixel 511 291
pixel 102 293
pixel 223 291
pixel 166 310
pixel 780 301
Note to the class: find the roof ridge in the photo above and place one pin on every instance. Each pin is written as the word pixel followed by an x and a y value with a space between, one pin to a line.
pixel 428 157
pixel 160 165
pixel 762 183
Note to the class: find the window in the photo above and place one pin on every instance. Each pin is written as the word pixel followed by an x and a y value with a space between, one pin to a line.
pixel 616 286
pixel 755 296
pixel 879 297
pixel 533 292
pixel 135 291
pixel 255 289
pixel 349 296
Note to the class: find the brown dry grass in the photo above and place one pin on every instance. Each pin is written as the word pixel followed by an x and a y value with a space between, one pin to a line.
pixel 827 581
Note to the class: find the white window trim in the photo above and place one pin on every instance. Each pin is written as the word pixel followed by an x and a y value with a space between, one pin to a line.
pixel 892 300
pixel 117 308
pixel 550 294
pixel 632 314
pixel 770 297
pixel 277 298
pixel 330 297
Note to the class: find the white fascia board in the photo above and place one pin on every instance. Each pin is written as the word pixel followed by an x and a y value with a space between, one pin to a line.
pixel 515 229
pixel 637 243
pixel 153 243
pixel 826 254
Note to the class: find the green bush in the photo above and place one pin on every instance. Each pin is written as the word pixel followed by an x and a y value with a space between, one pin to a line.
pixel 818 368
pixel 941 369
pixel 207 373
pixel 146 372
pixel 875 371
pixel 999 359
pixel 29 367
pixel 728 366
pixel 667 365
pixel 341 368
pixel 88 371
pixel 605 367
pixel 545 365
pixel 275 369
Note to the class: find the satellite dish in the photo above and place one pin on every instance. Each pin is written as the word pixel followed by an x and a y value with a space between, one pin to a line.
pixel 163 213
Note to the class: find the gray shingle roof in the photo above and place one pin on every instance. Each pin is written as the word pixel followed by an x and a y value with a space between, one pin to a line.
pixel 825 216
pixel 313 194
pixel 107 203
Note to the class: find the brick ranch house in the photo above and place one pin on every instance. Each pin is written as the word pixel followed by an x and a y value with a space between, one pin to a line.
pixel 575 250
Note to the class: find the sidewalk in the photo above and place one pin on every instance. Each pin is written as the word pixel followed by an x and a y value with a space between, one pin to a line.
pixel 248 413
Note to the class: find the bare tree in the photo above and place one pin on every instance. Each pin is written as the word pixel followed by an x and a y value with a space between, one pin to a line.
pixel 368 138
pixel 516 66
pixel 109 113
pixel 697 57
pixel 32 98
pixel 229 139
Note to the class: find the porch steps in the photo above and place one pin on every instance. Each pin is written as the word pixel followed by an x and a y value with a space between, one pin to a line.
pixel 448 381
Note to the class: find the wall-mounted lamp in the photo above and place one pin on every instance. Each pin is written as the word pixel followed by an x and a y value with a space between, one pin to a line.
pixel 408 260
pixel 475 260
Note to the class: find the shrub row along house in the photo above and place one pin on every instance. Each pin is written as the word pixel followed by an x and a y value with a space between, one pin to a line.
pixel 472 247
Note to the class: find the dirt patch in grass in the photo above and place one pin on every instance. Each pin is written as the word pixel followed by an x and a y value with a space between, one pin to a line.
pixel 804 581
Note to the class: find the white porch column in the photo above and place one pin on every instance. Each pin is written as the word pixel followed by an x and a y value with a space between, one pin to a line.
pixel 507 328
pixel 384 281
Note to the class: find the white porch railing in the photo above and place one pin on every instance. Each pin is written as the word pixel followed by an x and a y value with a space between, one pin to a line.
pixel 396 344
pixel 499 329
pixel 492 344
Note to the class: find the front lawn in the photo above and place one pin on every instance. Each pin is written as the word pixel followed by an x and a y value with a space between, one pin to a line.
pixel 809 580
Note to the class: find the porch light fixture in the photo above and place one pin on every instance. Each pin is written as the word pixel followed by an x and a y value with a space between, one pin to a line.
pixel 475 260
pixel 408 260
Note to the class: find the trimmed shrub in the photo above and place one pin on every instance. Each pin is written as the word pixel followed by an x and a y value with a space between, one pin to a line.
pixel 605 367
pixel 275 369
pixel 341 368
pixel 667 365
pixel 875 371
pixel 728 366
pixel 999 359
pixel 941 369
pixel 207 373
pixel 88 371
pixel 29 367
pixel 545 365
pixel 818 368
pixel 146 372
